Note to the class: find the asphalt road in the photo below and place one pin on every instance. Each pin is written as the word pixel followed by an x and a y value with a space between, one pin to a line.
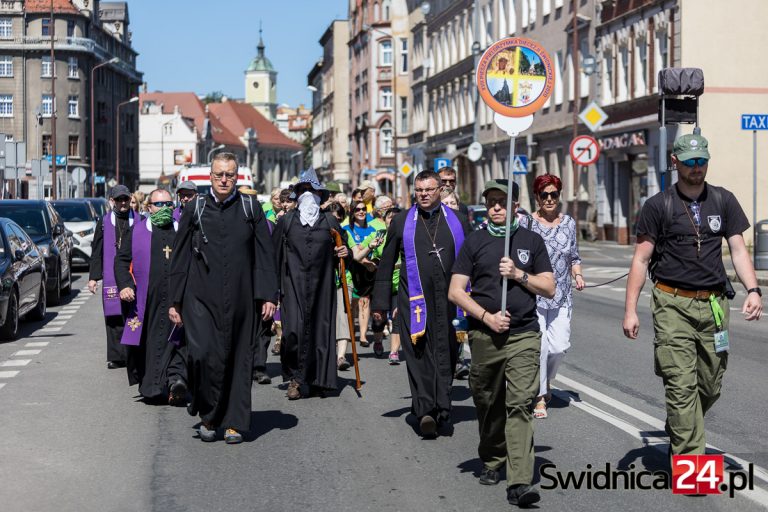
pixel 75 436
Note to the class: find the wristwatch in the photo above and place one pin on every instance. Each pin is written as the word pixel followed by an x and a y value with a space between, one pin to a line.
pixel 524 278
pixel 756 290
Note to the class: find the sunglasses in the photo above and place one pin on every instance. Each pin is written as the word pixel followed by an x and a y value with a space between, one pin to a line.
pixel 546 195
pixel 360 210
pixel 160 204
pixel 691 162
pixel 448 181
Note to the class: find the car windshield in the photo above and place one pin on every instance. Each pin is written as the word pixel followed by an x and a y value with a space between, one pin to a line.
pixel 30 218
pixel 74 212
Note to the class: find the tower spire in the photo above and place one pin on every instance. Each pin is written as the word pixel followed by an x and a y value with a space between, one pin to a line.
pixel 260 47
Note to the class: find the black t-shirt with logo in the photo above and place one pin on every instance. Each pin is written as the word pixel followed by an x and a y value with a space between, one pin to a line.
pixel 479 259
pixel 680 265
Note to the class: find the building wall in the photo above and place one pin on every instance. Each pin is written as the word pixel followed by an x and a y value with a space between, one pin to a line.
pixel 339 113
pixel 161 138
pixel 263 97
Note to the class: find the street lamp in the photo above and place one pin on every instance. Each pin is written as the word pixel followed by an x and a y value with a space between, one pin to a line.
pixel 220 146
pixel 113 60
pixel 117 152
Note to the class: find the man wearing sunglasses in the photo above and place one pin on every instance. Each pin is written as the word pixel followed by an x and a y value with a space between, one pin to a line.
pixel 142 272
pixel 448 177
pixel 186 192
pixel 680 233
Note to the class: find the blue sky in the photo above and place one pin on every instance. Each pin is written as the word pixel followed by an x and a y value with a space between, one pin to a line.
pixel 204 46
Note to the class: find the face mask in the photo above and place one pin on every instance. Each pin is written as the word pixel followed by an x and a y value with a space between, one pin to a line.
pixel 309 208
pixel 162 217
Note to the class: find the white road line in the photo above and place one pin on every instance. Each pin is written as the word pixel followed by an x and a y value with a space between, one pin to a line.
pixel 26 353
pixel 54 322
pixel 615 289
pixel 9 374
pixel 48 329
pixel 77 302
pixel 63 317
pixel 16 362
pixel 2 385
pixel 70 307
pixel 37 344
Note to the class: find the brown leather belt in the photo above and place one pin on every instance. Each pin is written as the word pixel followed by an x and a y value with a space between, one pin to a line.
pixel 690 294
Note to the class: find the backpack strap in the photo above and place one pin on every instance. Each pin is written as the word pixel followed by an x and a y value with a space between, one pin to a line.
pixel 198 216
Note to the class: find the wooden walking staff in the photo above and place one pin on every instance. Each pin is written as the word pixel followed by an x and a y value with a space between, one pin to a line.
pixel 348 308
pixel 514 77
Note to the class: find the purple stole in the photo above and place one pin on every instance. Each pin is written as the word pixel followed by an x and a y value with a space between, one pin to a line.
pixel 418 305
pixel 141 258
pixel 177 213
pixel 110 295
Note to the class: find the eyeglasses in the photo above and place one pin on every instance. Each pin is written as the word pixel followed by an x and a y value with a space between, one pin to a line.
pixel 160 204
pixel 490 203
pixel 186 194
pixel 691 162
pixel 430 190
pixel 229 175
pixel 555 195
pixel 360 209
pixel 122 199
pixel 449 181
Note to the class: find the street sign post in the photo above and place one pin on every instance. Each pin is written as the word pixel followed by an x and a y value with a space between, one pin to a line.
pixel 442 162
pixel 754 122
pixel 593 116
pixel 584 150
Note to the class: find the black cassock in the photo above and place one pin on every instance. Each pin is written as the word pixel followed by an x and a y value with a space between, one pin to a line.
pixel 156 364
pixel 431 362
pixel 306 262
pixel 221 286
pixel 114 324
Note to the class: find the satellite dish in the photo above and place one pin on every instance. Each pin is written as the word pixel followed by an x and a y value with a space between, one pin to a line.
pixel 475 151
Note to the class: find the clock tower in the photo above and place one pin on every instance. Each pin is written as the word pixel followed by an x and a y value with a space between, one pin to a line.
pixel 261 83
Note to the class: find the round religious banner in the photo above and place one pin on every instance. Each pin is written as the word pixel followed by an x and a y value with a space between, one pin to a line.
pixel 515 76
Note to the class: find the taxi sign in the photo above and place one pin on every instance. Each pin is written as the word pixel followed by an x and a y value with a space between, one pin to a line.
pixel 585 150
pixel 593 116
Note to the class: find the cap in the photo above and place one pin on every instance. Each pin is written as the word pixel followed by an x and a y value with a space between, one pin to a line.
pixel 690 146
pixel 502 185
pixel 365 184
pixel 119 191
pixel 186 185
pixel 333 187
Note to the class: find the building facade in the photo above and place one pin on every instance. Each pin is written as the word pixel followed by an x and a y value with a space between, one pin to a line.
pixel 294 122
pixel 86 34
pixel 261 83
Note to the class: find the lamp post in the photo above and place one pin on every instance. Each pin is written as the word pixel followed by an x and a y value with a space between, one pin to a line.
pixel 214 149
pixel 117 148
pixel 113 60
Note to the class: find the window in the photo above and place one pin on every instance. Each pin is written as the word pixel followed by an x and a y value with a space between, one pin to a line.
pixel 6 28
pixel 72 67
pixel 6 105
pixel 403 55
pixel 46 145
pixel 74 146
pixel 45 66
pixel 386 8
pixel 70 28
pixel 6 66
pixel 403 114
pixel 386 139
pixel 47 105
pixel 73 107
pixel 386 98
pixel 385 53
pixel 46 31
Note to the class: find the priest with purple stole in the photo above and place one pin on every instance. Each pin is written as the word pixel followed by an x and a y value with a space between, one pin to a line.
pixel 156 361
pixel 427 238
pixel 110 233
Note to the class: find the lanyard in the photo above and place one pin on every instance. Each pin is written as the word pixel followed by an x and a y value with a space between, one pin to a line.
pixel 717 311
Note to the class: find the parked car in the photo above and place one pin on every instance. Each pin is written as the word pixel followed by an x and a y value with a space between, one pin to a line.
pixel 478 215
pixel 45 227
pixel 22 279
pixel 79 218
pixel 100 205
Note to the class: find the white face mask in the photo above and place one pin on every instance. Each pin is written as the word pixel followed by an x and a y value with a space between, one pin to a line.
pixel 309 208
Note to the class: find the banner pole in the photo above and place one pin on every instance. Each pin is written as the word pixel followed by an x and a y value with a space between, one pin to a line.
pixel 510 213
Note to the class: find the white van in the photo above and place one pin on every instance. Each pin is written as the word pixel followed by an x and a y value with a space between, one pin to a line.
pixel 200 175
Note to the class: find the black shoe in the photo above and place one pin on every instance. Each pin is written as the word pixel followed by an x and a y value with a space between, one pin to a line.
pixel 522 495
pixel 462 371
pixel 261 377
pixel 178 394
pixel 428 426
pixel 489 476
pixel 114 365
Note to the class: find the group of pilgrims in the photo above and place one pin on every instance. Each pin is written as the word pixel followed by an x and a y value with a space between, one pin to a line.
pixel 194 289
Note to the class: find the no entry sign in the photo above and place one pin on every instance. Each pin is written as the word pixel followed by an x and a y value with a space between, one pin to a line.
pixel 585 150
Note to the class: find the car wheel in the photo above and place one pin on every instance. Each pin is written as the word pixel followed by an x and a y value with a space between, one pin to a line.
pixel 68 289
pixel 54 296
pixel 39 312
pixel 10 329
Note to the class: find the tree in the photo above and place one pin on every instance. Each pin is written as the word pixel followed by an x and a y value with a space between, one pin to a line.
pixel 213 97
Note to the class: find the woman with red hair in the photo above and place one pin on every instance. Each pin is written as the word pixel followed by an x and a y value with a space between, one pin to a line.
pixel 559 233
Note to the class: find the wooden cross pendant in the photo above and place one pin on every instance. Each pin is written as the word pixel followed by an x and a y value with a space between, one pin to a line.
pixel 418 311
pixel 167 250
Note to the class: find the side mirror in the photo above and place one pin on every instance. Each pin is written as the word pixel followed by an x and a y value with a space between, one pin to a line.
pixel 19 255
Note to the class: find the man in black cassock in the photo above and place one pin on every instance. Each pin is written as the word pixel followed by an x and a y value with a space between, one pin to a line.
pixel 119 222
pixel 157 365
pixel 430 353
pixel 222 281
pixel 306 259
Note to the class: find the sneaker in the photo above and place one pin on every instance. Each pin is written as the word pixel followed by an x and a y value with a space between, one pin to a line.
pixel 428 426
pixel 522 495
pixel 178 394
pixel 261 377
pixel 462 371
pixel 207 433
pixel 342 364
pixel 378 348
pixel 232 436
pixel 394 358
pixel 293 393
pixel 489 476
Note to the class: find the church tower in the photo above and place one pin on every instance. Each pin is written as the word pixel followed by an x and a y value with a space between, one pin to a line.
pixel 261 84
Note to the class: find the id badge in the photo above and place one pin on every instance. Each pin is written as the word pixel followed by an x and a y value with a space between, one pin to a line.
pixel 721 341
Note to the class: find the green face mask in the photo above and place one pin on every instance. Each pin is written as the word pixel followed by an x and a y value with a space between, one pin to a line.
pixel 162 217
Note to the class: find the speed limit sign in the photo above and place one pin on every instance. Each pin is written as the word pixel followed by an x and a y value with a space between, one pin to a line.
pixel 585 150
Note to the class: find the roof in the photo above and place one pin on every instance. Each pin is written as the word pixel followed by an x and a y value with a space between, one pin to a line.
pixel 237 117
pixel 260 62
pixel 189 105
pixel 62 6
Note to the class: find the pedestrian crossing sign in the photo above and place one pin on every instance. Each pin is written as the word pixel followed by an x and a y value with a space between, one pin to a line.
pixel 520 165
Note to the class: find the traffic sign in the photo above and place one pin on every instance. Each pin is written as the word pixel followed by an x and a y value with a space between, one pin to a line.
pixel 593 116
pixel 520 165
pixel 112 182
pixel 585 150
pixel 99 180
pixel 754 121
pixel 406 169
pixel 61 160
pixel 475 151
pixel 442 162
pixel 79 174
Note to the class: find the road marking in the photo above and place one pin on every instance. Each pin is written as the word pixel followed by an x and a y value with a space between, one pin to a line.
pixel 26 353
pixel 16 362
pixel 54 322
pixel 63 317
pixel 9 374
pixel 37 344
pixel 2 385
pixel 73 308
pixel 49 329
